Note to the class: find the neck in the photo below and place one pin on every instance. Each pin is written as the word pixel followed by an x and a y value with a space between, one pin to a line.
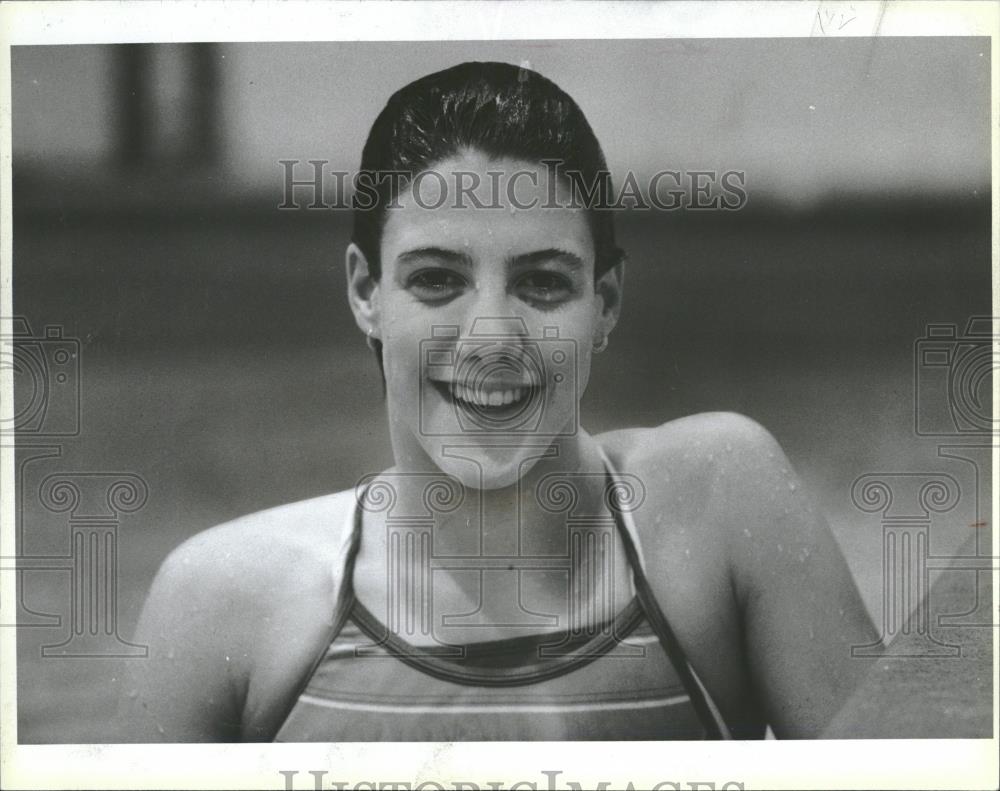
pixel 528 517
pixel 539 553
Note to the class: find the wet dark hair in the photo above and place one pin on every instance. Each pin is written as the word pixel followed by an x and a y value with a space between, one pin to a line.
pixel 497 108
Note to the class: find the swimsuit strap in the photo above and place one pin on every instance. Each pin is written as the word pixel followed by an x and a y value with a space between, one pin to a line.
pixel 700 697
pixel 341 567
pixel 343 600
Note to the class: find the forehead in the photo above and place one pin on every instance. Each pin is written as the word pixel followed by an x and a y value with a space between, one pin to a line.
pixel 486 208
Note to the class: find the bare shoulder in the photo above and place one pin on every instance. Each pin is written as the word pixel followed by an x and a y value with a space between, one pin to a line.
pixel 238 558
pixel 226 608
pixel 722 448
pixel 707 538
pixel 717 475
pixel 746 570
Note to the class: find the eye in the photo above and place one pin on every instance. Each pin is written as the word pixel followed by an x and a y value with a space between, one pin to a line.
pixel 544 286
pixel 435 284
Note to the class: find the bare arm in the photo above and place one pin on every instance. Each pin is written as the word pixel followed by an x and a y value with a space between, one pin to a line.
pixel 800 608
pixel 233 621
pixel 188 689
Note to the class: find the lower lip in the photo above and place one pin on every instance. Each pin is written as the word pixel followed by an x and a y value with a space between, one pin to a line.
pixel 497 413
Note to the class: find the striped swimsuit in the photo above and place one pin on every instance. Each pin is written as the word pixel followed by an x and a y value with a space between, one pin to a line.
pixel 625 678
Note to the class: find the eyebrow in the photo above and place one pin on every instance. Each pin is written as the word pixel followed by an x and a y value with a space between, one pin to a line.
pixel 549 254
pixel 526 259
pixel 451 256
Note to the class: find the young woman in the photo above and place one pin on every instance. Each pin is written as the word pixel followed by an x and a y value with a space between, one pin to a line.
pixel 512 576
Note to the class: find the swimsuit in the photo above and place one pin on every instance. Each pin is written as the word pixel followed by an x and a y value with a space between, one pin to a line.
pixel 622 678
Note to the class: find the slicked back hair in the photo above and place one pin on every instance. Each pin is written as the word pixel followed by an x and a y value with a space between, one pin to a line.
pixel 499 109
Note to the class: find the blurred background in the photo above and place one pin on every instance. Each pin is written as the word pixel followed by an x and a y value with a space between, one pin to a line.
pixel 218 360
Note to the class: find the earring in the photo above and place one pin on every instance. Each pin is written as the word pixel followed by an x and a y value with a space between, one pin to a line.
pixel 601 345
pixel 371 339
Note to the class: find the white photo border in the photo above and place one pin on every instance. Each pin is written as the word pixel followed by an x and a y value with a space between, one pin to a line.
pixel 954 763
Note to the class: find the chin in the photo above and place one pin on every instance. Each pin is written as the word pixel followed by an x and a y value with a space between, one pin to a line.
pixel 477 467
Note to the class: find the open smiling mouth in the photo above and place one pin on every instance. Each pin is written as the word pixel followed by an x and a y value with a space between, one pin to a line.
pixel 495 405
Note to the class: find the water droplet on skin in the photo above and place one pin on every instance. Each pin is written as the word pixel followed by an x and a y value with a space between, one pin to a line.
pixel 227 657
pixel 781 548
pixel 170 653
pixel 841 611
pixel 791 486
pixel 728 448
pixel 159 729
pixel 711 457
pixel 812 634
pixel 747 533
pixel 687 553
pixel 133 693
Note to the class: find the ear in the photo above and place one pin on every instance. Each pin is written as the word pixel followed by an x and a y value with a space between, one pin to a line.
pixel 608 305
pixel 362 292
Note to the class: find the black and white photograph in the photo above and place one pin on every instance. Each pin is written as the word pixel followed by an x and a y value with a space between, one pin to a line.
pixel 479 386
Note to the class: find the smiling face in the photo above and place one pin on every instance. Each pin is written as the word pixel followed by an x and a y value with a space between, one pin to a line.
pixel 487 318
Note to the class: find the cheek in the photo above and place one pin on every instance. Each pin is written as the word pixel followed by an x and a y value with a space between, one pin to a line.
pixel 404 326
pixel 582 330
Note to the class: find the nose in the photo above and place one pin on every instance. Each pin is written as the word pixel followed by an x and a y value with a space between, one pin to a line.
pixel 501 326
pixel 493 305
pixel 495 354
pixel 497 336
pixel 494 313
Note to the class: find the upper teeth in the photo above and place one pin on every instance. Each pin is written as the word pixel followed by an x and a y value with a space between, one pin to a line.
pixel 487 398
